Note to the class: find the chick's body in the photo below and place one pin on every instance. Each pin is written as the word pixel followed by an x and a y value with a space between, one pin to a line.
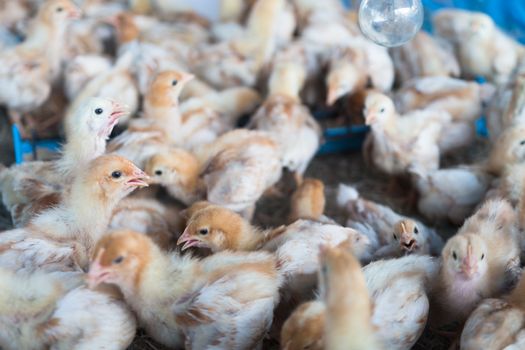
pixel 226 300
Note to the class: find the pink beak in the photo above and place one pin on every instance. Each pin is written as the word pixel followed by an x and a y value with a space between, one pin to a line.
pixel 119 110
pixel 74 13
pixel 188 240
pixel 407 242
pixel 139 179
pixel 469 264
pixel 97 273
pixel 370 119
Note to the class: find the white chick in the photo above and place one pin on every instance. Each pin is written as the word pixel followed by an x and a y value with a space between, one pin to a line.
pixel 399 142
pixel 44 310
pixel 226 300
pixel 477 263
pixel 393 234
pixel 282 115
pixel 450 194
pixel 80 70
pixel 424 56
pixel 390 284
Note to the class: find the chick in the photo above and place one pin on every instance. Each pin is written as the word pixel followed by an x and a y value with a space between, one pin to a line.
pixel 23 185
pixel 508 149
pixel 65 234
pixel 45 310
pixel 282 115
pixel 476 263
pixel 233 171
pixel 390 283
pixel 27 70
pixel 424 56
pixel 393 234
pixel 162 120
pixel 496 323
pixel 450 194
pixel 308 201
pixel 463 100
pixel 347 73
pixel 184 301
pixel 82 69
pixel 115 83
pixel 399 142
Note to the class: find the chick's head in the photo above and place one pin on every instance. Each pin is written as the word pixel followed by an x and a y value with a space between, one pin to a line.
pixel 215 228
pixel 58 11
pixel 408 234
pixel 378 107
pixel 119 258
pixel 508 149
pixel 166 87
pixel 174 167
pixel 97 116
pixel 113 177
pixel 464 257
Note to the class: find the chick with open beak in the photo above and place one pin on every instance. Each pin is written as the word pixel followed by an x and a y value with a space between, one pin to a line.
pixel 406 233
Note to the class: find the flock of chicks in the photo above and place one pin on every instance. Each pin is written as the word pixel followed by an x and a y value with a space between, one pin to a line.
pixel 88 263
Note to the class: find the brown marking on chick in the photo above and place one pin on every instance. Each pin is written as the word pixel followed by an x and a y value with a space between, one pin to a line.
pixel 126 27
pixel 299 333
pixel 43 328
pixel 308 201
pixel 159 93
pixel 179 161
pixel 124 243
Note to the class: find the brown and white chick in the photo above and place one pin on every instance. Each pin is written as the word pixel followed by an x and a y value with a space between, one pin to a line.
pixel 347 73
pixel 52 310
pixel 424 56
pixel 64 235
pixel 391 233
pixel 497 323
pixel 283 114
pixel 225 300
pixel 397 142
pixel 27 70
pixel 308 201
pixel 508 149
pixel 477 262
pixel 234 171
pixel 116 83
pixel 463 100
pixel 23 185
pixel 450 194
pixel 161 122
pixel 396 324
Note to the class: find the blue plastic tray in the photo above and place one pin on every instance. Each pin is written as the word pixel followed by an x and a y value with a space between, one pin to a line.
pixel 23 147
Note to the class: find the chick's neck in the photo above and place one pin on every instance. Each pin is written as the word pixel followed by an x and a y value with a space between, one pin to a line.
pixel 79 150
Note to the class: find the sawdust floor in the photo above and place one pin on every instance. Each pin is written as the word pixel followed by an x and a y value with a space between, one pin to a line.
pixel 333 169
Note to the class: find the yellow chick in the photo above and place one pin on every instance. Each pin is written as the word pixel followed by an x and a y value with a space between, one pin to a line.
pixel 183 301
pixel 509 148
pixel 308 201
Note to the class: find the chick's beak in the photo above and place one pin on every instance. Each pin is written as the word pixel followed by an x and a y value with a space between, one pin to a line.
pixel 187 77
pixel 469 266
pixel 370 118
pixel 332 96
pixel 97 273
pixel 188 240
pixel 74 13
pixel 119 110
pixel 138 179
pixel 407 242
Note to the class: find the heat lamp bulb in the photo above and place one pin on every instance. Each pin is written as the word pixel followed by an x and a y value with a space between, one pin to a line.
pixel 390 22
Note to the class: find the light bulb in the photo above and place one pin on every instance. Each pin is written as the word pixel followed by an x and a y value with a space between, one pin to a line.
pixel 390 22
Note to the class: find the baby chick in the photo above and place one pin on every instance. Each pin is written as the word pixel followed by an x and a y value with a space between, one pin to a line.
pixel 394 234
pixel 282 115
pixel 347 73
pixel 476 263
pixel 226 299
pixel 424 56
pixel 497 323
pixel 399 142
pixel 82 69
pixel 73 225
pixel 44 310
pixel 508 149
pixel 463 100
pixel 450 194
pixel 233 171
pixel 23 185
pixel 390 283
pixel 308 201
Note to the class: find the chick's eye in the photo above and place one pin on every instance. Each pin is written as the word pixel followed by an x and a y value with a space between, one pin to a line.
pixel 60 9
pixel 454 256
pixel 203 231
pixel 416 231
pixel 158 172
pixel 482 256
pixel 118 259
pixel 99 111
pixel 174 82
pixel 395 236
pixel 522 142
pixel 116 174
pixel 382 110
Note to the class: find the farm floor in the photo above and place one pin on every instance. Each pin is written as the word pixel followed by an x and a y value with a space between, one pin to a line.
pixel 334 169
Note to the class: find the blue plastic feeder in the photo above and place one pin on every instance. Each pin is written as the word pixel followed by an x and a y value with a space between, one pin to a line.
pixel 23 147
